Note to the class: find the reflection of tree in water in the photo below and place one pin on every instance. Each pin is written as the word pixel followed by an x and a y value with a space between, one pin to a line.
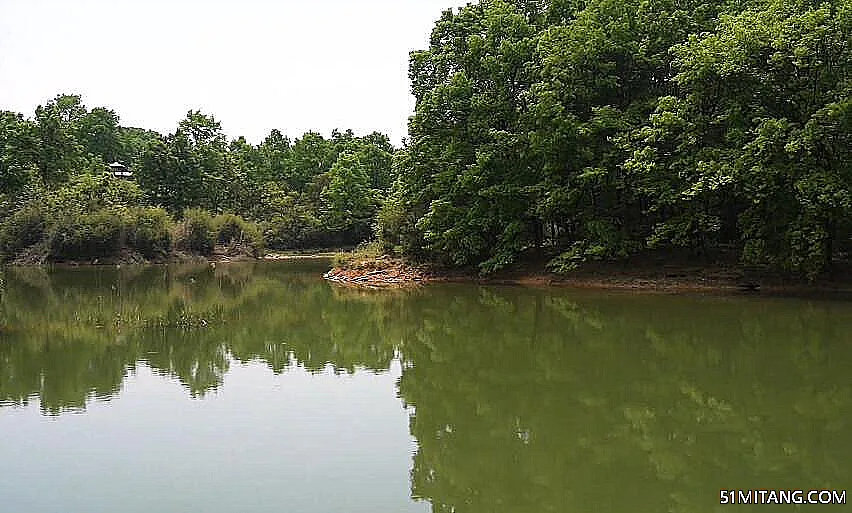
pixel 525 400
pixel 70 335
pixel 613 402
pixel 315 325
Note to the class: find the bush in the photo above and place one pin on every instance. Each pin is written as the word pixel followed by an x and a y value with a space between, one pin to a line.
pixel 149 231
pixel 396 229
pixel 364 252
pixel 294 231
pixel 233 228
pixel 22 229
pixel 237 232
pixel 196 232
pixel 96 191
pixel 86 236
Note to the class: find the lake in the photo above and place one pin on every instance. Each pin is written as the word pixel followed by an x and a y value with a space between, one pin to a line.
pixel 258 387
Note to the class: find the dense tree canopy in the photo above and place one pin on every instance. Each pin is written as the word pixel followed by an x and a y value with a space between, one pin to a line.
pixel 55 186
pixel 602 129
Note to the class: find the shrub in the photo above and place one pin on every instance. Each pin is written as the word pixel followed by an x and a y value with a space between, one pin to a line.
pixel 86 236
pixel 235 231
pixel 196 233
pixel 364 252
pixel 149 231
pixel 396 228
pixel 91 192
pixel 295 231
pixel 22 229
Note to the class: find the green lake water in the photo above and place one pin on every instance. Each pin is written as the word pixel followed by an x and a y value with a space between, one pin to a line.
pixel 259 387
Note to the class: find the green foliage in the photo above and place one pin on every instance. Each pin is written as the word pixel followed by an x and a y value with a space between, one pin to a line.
pixel 184 169
pixel 602 129
pixel 235 231
pixel 91 217
pixel 348 202
pixel 61 152
pixel 589 130
pixel 86 236
pixel 19 151
pixel 196 232
pixel 734 150
pixel 149 231
pixel 313 191
pixel 134 144
pixel 98 131
pixel 93 191
pixel 366 251
pixel 24 228
pixel 391 223
pixel 294 231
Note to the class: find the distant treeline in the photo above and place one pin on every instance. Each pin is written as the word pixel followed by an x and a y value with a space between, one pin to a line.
pixel 189 190
pixel 583 130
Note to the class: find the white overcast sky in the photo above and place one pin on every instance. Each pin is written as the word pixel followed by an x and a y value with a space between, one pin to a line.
pixel 254 65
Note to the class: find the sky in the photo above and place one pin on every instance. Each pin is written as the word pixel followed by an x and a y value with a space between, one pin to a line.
pixel 254 65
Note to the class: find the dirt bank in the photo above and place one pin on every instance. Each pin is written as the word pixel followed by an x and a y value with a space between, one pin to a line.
pixel 381 272
pixel 300 256
pixel 385 272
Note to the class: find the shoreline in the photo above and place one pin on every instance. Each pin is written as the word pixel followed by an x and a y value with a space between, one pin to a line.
pixel 665 279
pixel 174 258
pixel 384 273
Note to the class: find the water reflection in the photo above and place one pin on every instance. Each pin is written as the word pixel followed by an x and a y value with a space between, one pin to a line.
pixel 523 400
pixel 72 334
pixel 613 402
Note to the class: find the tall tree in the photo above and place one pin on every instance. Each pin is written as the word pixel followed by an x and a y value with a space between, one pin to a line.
pixel 349 204
pixel 98 131
pixel 61 153
pixel 19 151
pixel 762 117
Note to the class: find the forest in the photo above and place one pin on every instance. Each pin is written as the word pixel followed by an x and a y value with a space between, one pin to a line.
pixel 580 130
pixel 189 190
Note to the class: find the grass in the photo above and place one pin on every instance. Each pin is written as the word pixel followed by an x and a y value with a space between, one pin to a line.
pixel 364 252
